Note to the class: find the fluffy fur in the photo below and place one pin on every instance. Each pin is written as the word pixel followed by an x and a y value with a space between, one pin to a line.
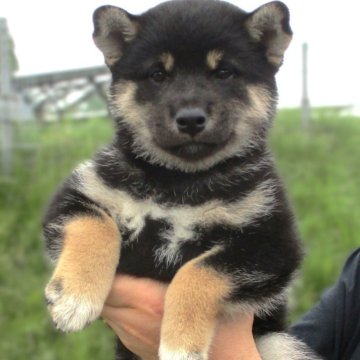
pixel 187 189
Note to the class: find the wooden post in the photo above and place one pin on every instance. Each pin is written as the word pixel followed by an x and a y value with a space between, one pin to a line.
pixel 6 99
pixel 305 103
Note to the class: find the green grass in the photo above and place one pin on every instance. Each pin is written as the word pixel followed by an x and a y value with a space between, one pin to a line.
pixel 320 167
pixel 26 331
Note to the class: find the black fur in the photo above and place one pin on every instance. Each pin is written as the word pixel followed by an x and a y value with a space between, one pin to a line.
pixel 268 245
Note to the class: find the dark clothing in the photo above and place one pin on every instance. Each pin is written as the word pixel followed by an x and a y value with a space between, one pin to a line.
pixel 332 327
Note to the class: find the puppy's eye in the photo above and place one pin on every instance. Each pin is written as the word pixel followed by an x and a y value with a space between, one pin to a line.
pixel 223 73
pixel 158 75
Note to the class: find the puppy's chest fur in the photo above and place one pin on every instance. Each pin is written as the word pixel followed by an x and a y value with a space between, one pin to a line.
pixel 159 236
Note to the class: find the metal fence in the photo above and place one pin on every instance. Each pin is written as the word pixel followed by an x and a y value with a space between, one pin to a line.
pixel 42 97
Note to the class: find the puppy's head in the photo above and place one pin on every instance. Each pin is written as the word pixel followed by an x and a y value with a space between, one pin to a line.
pixel 193 80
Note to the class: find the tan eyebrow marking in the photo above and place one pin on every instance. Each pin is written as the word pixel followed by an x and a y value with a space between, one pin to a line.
pixel 213 58
pixel 168 60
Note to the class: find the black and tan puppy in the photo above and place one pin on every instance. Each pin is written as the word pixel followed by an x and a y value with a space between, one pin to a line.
pixel 187 192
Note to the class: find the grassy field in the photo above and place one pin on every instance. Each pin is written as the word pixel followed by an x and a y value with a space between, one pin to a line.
pixel 320 167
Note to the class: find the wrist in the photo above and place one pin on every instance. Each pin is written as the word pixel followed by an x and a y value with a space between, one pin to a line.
pixel 234 340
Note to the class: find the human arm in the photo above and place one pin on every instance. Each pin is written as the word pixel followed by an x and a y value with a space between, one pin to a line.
pixel 134 311
pixel 332 327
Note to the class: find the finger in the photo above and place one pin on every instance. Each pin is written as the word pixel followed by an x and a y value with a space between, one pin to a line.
pixel 134 321
pixel 233 339
pixel 139 339
pixel 129 341
pixel 128 291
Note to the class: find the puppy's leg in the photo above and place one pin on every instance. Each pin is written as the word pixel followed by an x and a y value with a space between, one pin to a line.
pixel 84 272
pixel 193 302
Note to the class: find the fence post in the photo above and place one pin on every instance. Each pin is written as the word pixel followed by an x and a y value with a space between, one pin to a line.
pixel 6 99
pixel 305 103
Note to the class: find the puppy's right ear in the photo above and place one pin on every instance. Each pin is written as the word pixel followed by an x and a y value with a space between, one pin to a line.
pixel 269 26
pixel 113 29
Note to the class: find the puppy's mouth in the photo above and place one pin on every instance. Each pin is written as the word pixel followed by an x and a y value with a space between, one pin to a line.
pixel 194 150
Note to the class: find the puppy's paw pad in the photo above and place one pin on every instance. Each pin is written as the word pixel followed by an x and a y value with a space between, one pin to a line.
pixel 167 354
pixel 70 312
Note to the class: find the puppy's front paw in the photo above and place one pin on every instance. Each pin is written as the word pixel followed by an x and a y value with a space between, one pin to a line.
pixel 167 354
pixel 70 310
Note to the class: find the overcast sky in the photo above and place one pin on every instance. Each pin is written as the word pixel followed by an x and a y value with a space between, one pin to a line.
pixel 56 35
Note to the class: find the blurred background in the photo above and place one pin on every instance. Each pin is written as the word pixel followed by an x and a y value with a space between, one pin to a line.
pixel 53 116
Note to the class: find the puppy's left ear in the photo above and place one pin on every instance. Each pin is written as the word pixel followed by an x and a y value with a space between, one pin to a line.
pixel 114 29
pixel 269 25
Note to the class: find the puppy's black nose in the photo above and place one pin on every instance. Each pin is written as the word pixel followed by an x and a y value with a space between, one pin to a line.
pixel 191 120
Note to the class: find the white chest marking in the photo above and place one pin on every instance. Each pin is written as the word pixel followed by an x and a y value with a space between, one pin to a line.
pixel 183 219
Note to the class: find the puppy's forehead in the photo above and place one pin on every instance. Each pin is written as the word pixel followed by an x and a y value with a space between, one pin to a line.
pixel 211 59
pixel 192 27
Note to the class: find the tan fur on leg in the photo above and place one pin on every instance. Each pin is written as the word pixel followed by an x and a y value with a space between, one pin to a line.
pixel 85 271
pixel 193 302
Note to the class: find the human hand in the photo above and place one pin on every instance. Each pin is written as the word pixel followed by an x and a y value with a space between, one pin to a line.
pixel 134 311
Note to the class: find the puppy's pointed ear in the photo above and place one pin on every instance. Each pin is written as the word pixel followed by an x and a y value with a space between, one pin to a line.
pixel 269 25
pixel 113 29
